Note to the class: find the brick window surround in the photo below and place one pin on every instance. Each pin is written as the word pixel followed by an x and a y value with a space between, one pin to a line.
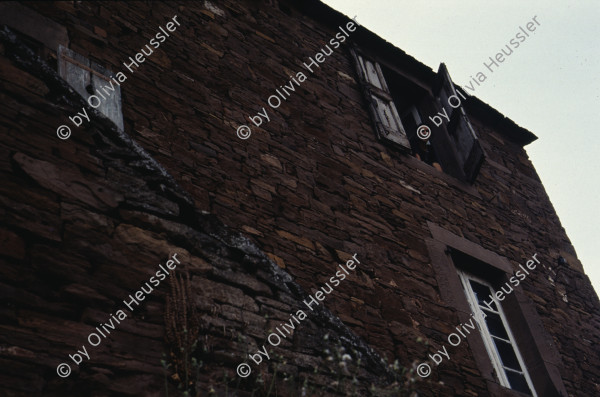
pixel 537 348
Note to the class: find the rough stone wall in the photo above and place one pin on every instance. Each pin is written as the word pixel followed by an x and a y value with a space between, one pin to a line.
pixel 313 185
pixel 83 227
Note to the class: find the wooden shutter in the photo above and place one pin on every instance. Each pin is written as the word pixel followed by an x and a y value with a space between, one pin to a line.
pixel 469 149
pixel 80 73
pixel 381 105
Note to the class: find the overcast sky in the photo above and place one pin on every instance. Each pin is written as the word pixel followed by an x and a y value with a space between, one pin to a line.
pixel 548 85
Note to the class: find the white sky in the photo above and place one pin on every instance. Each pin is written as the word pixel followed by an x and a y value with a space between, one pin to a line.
pixel 549 85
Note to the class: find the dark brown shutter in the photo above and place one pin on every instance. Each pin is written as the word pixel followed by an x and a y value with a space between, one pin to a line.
pixel 469 150
pixel 80 73
pixel 381 105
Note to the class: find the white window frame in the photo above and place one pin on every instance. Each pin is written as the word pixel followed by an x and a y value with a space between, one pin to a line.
pixel 487 337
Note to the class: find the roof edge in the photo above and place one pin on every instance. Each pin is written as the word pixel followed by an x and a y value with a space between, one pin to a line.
pixel 323 13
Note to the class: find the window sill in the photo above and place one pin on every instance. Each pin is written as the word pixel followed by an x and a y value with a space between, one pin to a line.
pixel 448 179
pixel 497 390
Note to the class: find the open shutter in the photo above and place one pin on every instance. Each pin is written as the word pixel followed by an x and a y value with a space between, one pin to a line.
pixel 381 105
pixel 468 147
pixel 80 73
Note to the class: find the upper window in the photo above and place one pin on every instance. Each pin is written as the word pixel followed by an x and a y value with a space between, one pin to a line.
pixel 399 107
pixel 497 337
pixel 50 41
pixel 88 78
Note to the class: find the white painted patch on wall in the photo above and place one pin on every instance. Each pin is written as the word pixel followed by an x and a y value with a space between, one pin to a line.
pixel 407 186
pixel 214 9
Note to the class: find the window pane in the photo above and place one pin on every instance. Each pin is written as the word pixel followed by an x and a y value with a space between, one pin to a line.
pixel 507 354
pixel 482 293
pixel 517 382
pixel 495 325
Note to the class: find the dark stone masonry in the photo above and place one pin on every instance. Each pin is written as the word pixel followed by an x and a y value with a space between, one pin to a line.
pixel 264 223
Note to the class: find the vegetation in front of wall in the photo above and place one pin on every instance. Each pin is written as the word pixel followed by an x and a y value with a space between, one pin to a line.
pixel 182 329
pixel 195 369
pixel 338 372
pixel 347 372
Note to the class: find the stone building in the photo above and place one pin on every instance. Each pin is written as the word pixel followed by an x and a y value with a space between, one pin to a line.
pixel 252 236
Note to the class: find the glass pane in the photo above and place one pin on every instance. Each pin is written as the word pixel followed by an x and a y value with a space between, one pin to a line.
pixel 486 312
pixel 482 293
pixel 495 325
pixel 517 382
pixel 507 354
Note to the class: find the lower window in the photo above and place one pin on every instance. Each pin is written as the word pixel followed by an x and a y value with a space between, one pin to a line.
pixel 497 337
